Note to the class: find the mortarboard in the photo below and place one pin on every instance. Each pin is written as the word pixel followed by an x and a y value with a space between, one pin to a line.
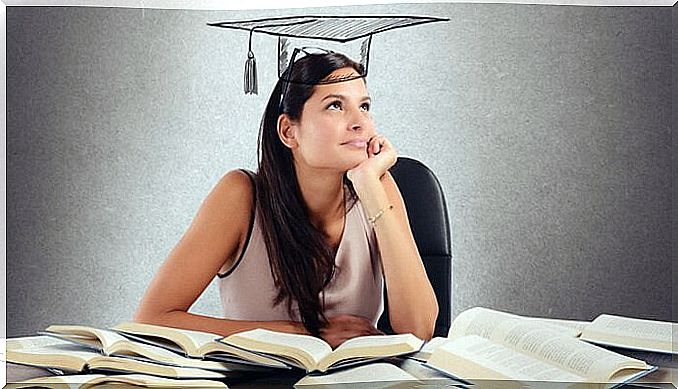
pixel 328 29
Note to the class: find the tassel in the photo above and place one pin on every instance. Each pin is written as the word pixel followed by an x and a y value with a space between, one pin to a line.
pixel 365 54
pixel 250 74
pixel 250 70
pixel 282 55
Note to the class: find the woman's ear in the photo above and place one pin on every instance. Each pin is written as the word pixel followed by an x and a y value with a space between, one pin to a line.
pixel 287 131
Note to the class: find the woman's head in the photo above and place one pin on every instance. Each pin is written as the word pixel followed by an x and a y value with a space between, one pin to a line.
pixel 321 99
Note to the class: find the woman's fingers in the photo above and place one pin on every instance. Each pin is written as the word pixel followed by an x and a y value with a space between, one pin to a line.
pixel 377 143
pixel 381 156
pixel 344 327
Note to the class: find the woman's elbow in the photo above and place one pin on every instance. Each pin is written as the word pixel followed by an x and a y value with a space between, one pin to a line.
pixel 149 313
pixel 143 315
pixel 422 326
pixel 423 330
pixel 427 325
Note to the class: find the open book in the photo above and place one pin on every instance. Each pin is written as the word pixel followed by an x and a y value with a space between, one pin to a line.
pixel 427 349
pixel 492 345
pixel 113 344
pixel 313 354
pixel 84 381
pixel 636 334
pixel 373 375
pixel 647 336
pixel 623 332
pixel 193 344
pixel 47 352
pixel 569 328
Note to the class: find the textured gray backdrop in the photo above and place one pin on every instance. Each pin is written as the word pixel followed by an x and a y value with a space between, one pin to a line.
pixel 548 126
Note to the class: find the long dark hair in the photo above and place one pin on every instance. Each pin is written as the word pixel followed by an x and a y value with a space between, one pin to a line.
pixel 302 263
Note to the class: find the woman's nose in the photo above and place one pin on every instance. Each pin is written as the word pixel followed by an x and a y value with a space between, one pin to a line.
pixel 359 121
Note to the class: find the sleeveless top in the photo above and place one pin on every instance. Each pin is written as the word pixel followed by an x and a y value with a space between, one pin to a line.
pixel 247 289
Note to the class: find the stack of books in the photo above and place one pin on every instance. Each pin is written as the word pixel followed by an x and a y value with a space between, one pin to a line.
pixel 483 345
pixel 486 345
pixel 151 355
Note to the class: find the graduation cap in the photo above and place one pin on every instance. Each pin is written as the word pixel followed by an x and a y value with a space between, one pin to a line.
pixel 336 30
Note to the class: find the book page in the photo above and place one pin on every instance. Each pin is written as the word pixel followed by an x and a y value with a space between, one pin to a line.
pixel 187 340
pixel 476 358
pixel 89 336
pixel 68 349
pixel 84 381
pixel 579 357
pixel 373 373
pixel 576 356
pixel 278 342
pixel 483 322
pixel 108 338
pixel 75 380
pixel 545 343
pixel 381 340
pixel 156 382
pixel 576 325
pixel 157 342
pixel 160 355
pixel 117 364
pixel 368 347
pixel 65 356
pixel 228 353
pixel 431 377
pixel 201 340
pixel 29 342
pixel 629 332
pixel 425 353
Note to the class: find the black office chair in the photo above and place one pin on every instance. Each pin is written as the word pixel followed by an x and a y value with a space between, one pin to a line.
pixel 427 212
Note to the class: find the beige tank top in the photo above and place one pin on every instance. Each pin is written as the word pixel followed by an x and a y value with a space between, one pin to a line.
pixel 247 290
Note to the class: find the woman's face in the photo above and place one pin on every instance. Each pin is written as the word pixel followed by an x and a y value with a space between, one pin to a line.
pixel 335 124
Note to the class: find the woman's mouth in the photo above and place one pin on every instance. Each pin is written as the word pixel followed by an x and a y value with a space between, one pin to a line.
pixel 356 143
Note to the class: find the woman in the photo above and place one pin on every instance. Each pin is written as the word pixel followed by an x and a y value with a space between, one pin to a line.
pixel 304 245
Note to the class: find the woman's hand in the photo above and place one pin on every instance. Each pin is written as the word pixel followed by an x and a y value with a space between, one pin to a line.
pixel 381 155
pixel 344 327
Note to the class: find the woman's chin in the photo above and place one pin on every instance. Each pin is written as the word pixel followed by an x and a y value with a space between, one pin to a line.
pixel 354 162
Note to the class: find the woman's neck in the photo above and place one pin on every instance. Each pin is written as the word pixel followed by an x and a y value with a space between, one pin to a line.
pixel 323 193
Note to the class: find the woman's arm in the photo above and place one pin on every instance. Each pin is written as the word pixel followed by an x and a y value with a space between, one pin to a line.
pixel 412 304
pixel 214 238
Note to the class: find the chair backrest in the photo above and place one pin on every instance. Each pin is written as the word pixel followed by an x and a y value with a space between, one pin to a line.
pixel 427 213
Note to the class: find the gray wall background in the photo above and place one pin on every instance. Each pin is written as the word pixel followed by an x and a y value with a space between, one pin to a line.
pixel 549 128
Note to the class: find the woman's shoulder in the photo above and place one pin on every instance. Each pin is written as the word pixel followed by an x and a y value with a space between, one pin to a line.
pixel 233 196
pixel 238 181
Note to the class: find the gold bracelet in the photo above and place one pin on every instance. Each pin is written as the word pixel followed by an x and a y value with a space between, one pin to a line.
pixel 379 214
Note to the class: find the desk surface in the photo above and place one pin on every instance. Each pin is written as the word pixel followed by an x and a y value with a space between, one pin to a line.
pixel 665 377
pixel 16 373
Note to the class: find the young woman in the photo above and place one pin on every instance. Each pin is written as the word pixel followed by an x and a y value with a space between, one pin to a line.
pixel 307 243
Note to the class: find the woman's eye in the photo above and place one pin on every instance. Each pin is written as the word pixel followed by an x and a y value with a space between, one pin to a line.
pixel 335 105
pixel 365 107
